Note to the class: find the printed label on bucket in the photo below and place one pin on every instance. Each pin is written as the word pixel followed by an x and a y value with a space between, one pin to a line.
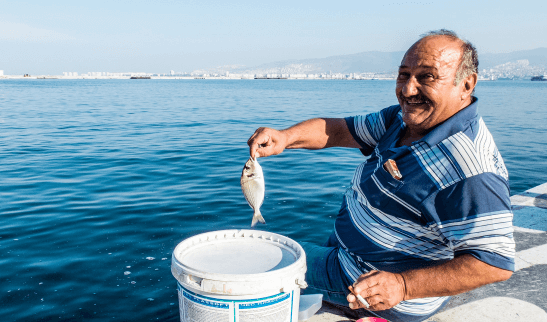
pixel 198 308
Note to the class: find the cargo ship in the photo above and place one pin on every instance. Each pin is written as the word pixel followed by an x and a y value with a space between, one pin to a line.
pixel 539 78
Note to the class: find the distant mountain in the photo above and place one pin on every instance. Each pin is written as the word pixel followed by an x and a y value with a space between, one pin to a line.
pixel 372 62
pixel 369 61
pixel 536 57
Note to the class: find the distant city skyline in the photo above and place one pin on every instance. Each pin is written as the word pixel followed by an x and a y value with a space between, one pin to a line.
pixel 163 35
pixel 522 64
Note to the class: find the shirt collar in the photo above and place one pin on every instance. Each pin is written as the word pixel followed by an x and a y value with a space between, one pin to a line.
pixel 456 123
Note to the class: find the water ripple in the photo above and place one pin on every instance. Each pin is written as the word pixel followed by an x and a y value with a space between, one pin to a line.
pixel 98 176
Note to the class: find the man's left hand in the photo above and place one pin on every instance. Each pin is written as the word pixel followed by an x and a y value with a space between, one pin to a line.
pixel 382 290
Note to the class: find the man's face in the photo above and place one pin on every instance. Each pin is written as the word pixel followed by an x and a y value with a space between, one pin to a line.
pixel 425 85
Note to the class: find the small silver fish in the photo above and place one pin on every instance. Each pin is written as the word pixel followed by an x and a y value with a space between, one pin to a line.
pixel 252 184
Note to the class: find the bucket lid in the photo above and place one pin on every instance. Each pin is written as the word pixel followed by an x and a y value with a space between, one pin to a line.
pixel 237 256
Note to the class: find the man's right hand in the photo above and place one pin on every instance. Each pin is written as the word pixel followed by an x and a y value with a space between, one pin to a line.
pixel 318 133
pixel 266 141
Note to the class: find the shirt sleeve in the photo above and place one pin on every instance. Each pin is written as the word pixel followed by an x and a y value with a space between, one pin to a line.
pixel 368 129
pixel 474 217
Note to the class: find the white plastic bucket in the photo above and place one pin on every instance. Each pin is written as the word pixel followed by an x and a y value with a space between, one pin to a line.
pixel 239 276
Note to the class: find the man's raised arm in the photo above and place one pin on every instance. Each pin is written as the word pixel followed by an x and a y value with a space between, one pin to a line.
pixel 312 134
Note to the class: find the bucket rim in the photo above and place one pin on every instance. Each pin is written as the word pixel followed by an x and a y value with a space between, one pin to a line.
pixel 299 265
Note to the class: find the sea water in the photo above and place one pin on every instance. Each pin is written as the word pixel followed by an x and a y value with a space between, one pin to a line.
pixel 101 179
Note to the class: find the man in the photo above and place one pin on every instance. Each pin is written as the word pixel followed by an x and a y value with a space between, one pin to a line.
pixel 406 243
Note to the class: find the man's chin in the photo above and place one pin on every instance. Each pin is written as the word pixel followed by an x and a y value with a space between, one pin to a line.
pixel 413 119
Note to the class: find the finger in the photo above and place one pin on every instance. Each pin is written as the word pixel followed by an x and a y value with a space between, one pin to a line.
pixel 263 150
pixel 350 288
pixel 371 291
pixel 260 139
pixel 253 151
pixel 375 302
pixel 257 132
pixel 362 302
pixel 365 276
pixel 354 303
pixel 252 145
pixel 258 145
pixel 351 298
pixel 355 300
pixel 365 285
pixel 259 135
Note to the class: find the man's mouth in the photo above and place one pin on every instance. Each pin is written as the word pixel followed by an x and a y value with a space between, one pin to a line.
pixel 415 101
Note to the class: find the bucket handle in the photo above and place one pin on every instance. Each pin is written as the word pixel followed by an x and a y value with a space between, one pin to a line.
pixel 301 283
pixel 193 280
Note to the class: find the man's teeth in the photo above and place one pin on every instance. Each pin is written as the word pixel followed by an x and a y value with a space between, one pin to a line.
pixel 416 102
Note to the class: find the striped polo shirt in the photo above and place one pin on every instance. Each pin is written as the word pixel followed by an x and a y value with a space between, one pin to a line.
pixel 453 199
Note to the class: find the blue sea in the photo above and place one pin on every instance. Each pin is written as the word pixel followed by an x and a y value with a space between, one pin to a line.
pixel 101 179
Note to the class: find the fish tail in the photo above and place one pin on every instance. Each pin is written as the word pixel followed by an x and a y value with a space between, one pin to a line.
pixel 257 217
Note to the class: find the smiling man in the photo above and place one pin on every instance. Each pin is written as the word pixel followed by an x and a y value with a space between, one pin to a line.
pixel 428 213
pixel 430 86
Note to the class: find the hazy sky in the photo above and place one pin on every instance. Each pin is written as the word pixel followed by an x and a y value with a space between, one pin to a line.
pixel 51 37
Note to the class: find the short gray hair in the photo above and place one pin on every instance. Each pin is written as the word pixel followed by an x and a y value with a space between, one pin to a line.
pixel 469 62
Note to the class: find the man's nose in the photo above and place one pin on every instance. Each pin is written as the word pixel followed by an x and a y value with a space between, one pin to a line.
pixel 410 87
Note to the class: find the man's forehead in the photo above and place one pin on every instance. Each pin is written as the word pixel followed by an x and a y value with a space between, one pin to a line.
pixel 433 52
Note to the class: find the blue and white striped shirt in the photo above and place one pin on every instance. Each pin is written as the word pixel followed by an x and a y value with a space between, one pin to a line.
pixel 453 199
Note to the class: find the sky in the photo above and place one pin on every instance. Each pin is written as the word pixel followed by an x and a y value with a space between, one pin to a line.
pixel 156 36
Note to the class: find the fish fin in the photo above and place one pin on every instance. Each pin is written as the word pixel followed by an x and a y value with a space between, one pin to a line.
pixel 257 217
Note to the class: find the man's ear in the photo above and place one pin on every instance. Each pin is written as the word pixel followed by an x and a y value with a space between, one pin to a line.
pixel 468 85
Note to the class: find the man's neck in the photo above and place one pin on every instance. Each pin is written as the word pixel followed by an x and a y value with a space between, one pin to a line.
pixel 407 138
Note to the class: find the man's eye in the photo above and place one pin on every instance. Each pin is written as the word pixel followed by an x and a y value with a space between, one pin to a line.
pixel 402 76
pixel 427 76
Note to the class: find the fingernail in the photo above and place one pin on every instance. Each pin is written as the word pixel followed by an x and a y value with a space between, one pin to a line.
pixel 351 305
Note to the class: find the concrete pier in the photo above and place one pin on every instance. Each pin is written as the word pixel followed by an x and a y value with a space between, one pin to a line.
pixel 522 298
